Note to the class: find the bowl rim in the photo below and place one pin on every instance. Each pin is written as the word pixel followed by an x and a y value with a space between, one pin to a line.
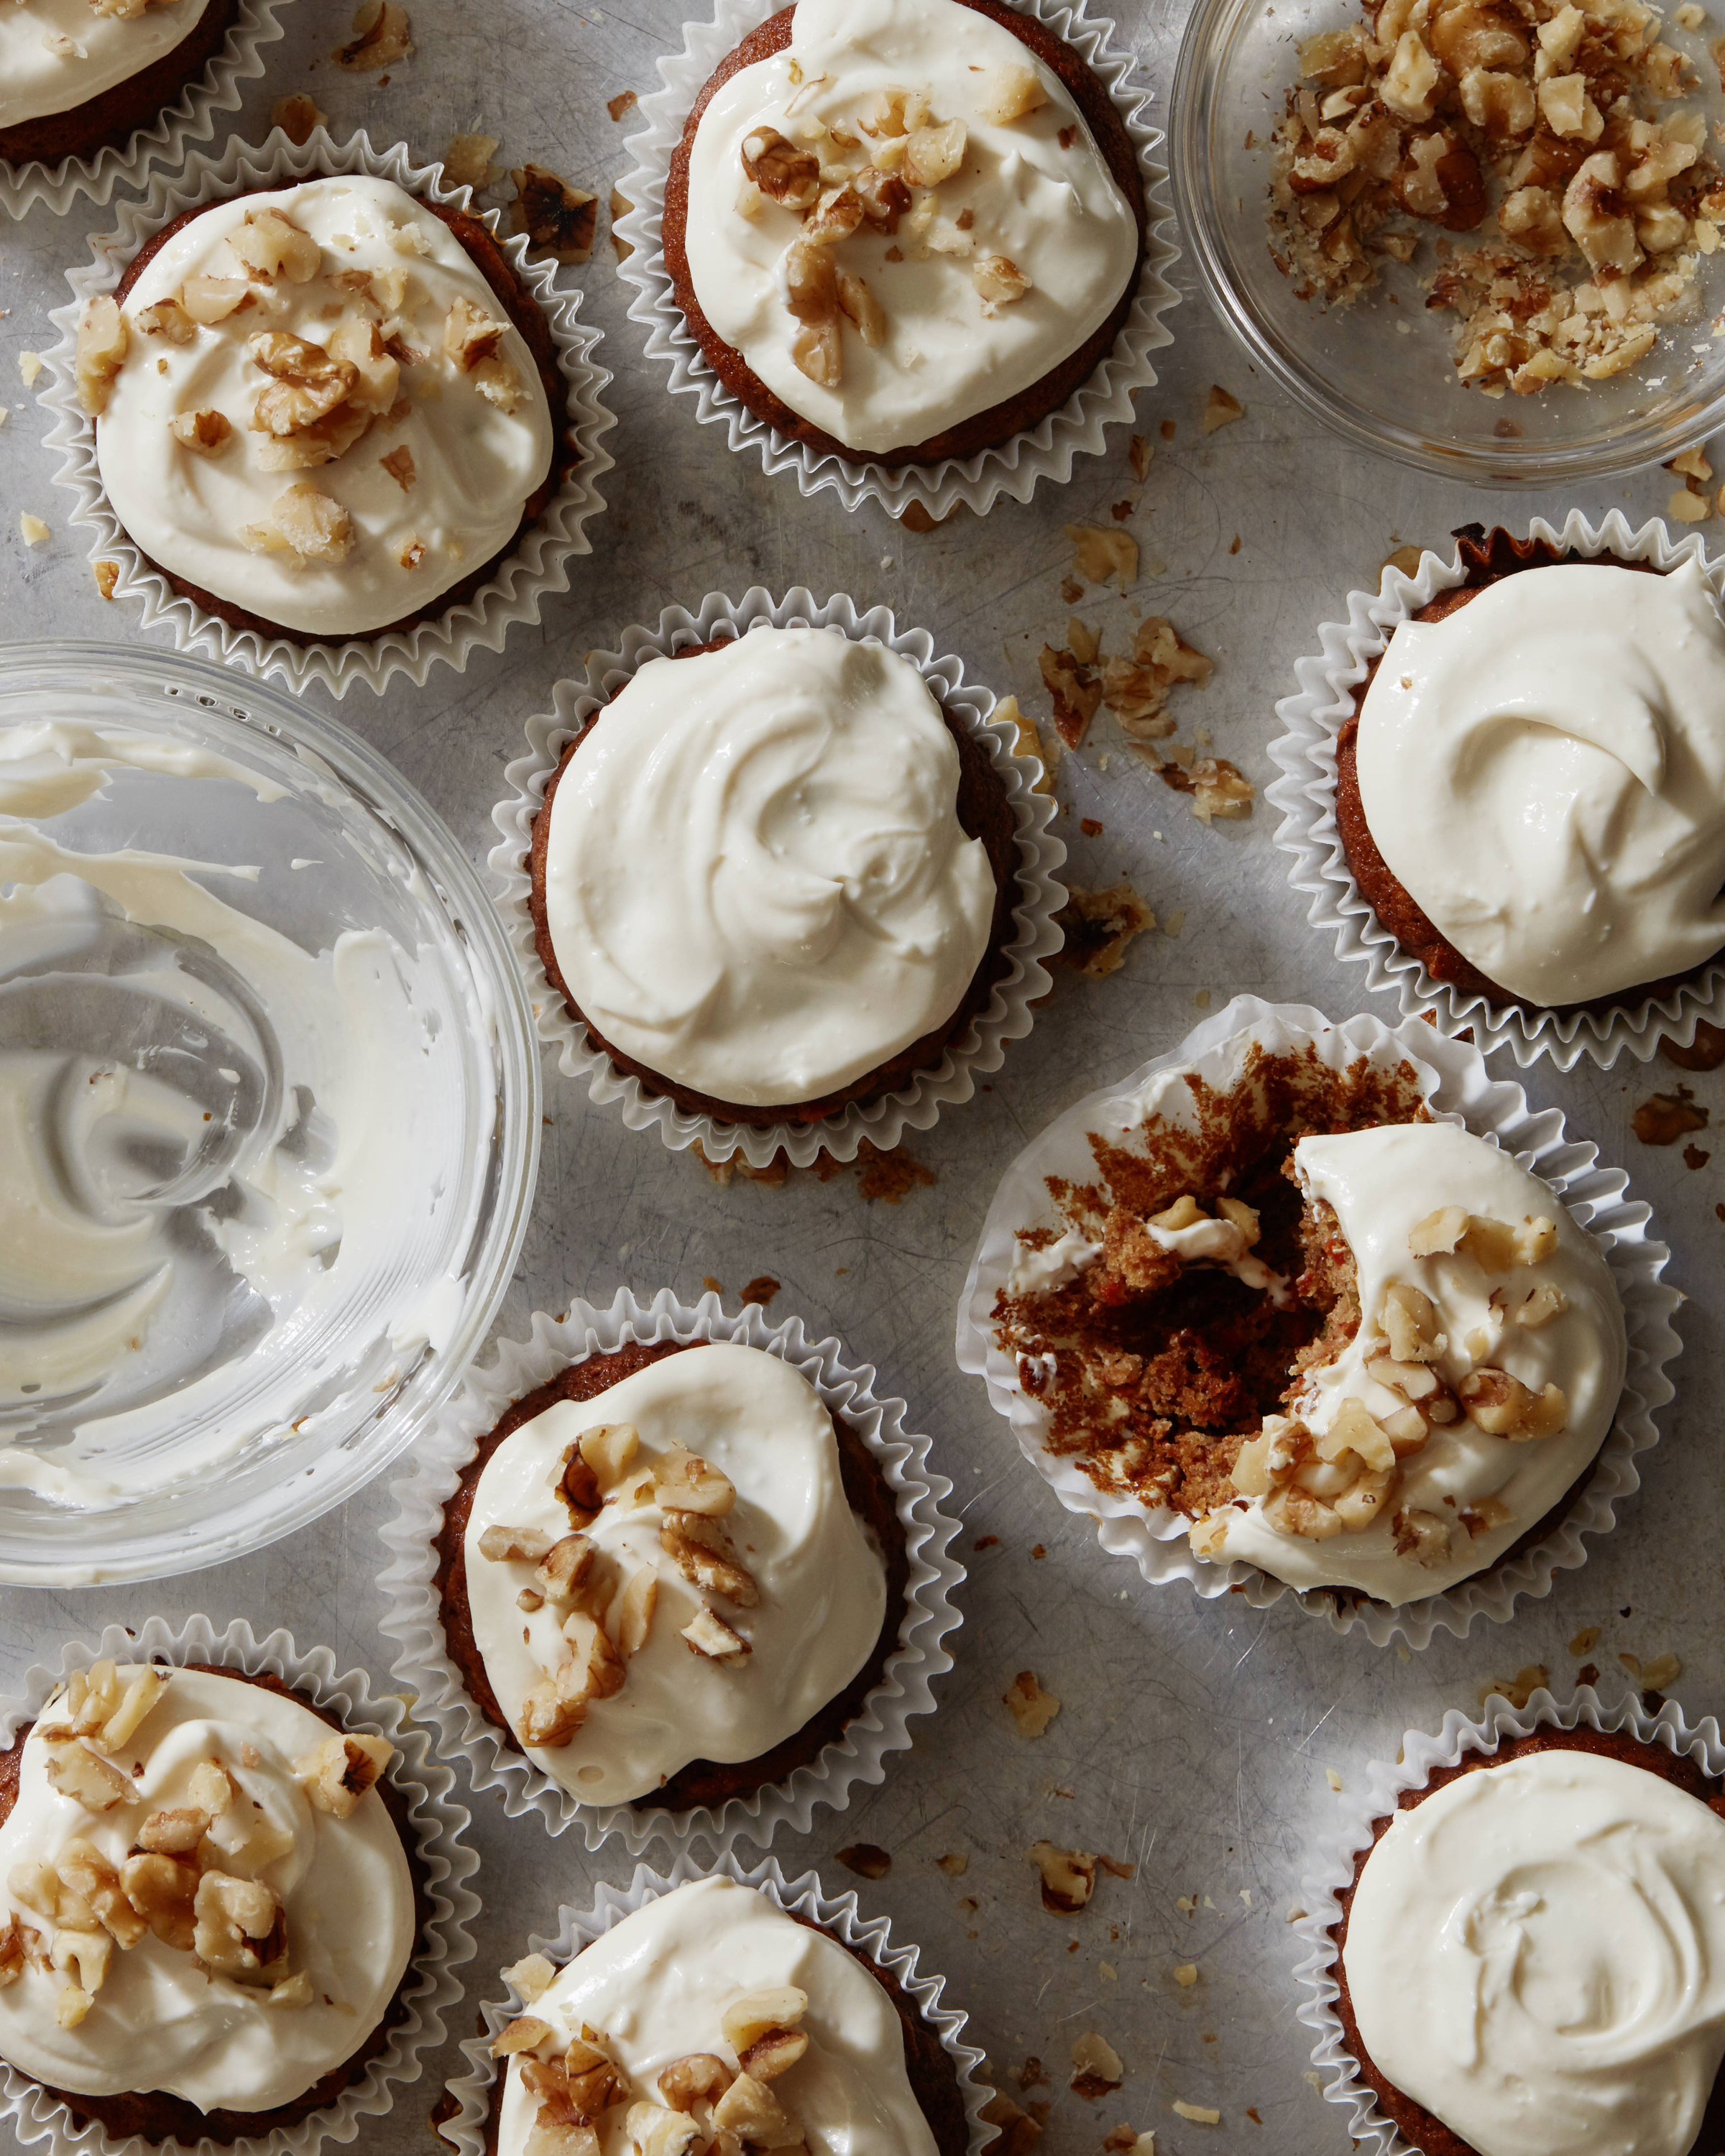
pixel 1207 27
pixel 385 794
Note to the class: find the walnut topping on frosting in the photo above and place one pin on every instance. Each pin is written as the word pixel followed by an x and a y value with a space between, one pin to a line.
pixel 269 245
pixel 203 433
pixel 103 339
pixel 341 1771
pixel 305 521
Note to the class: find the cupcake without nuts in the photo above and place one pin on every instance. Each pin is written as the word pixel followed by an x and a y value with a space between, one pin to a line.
pixel 1530 789
pixel 906 230
pixel 77 78
pixel 670 1577
pixel 211 1903
pixel 326 410
pixel 1531 1956
pixel 710 2019
pixel 1360 1350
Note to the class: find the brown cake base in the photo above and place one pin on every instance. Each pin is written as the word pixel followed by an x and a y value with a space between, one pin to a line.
pixel 702 1781
pixel 110 121
pixel 523 311
pixel 1487 559
pixel 1429 2134
pixel 983 812
pixel 984 430
pixel 160 2119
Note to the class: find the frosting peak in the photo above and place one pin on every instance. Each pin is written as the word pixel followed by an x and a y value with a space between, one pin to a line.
pixel 1543 771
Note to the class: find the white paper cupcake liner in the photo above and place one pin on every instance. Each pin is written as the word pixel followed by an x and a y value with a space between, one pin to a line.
pixel 1305 794
pixel 1010 1011
pixel 431 1988
pixel 1009 472
pixel 1422 1753
pixel 538 565
pixel 413 1618
pixel 1457 1088
pixel 191 118
pixel 805 1897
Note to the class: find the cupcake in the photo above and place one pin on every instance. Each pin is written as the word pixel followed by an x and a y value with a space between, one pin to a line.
pixel 1530 1955
pixel 1360 1350
pixel 710 2017
pixel 77 78
pixel 670 1576
pixel 905 234
pixel 325 410
pixel 1530 790
pixel 773 877
pixel 211 1901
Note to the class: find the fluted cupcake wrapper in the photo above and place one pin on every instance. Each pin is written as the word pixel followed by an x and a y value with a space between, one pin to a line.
pixel 802 1897
pixel 1011 1010
pixel 1305 794
pixel 1010 472
pixel 538 566
pixel 431 1988
pixel 413 1618
pixel 1422 1754
pixel 191 118
pixel 1458 1089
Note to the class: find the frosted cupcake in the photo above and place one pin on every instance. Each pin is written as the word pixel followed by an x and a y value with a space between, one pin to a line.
pixel 76 77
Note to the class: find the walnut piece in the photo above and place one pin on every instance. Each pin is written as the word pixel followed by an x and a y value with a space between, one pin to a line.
pixel 702 2077
pixel 1012 92
pixel 749 2110
pixel 558 220
pixel 708 1634
pixel 999 282
pixel 812 287
pixel 935 153
pixel 1069 1876
pixel 384 35
pixel 758 2013
pixel 103 339
pixel 203 433
pixel 307 522
pixel 700 1550
pixel 271 245
pixel 1505 1407
pixel 297 117
pixel 653 2131
pixel 781 171
pixel 341 1771
pixel 75 1771
pixel 1098 555
pixel 236 1922
pixel 469 334
pixel 168 319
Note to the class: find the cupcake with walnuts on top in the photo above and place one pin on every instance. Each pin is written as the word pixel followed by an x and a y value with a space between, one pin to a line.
pixel 77 77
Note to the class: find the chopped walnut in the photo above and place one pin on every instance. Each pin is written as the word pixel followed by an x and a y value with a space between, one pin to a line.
pixel 691 1484
pixel 1100 926
pixel 102 341
pixel 999 282
pixel 1097 2065
pixel 210 299
pixel 168 319
pixel 469 334
pixel 749 2110
pixel 501 1545
pixel 934 152
pixel 701 2077
pixel 525 2033
pixel 532 1976
pixel 1136 689
pixel 1219 410
pixel 297 117
pixel 1012 92
pixel 86 1777
pixel 1069 1876
pixel 1098 555
pixel 384 36
pixel 811 285
pixel 859 303
pixel 467 162
pixel 1505 1407
pixel 653 2131
pixel 708 1634
pixel 700 1550
pixel 271 245
pixel 236 1924
pixel 107 577
pixel 306 521
pixel 203 433
pixel 399 465
pixel 781 171
pixel 1033 1708
pixel 558 220
pixel 341 1771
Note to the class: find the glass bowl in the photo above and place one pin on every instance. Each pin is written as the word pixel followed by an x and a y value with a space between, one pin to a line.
pixel 1378 372
pixel 269 1114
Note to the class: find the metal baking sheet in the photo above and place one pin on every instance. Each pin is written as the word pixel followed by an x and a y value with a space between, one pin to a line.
pixel 1195 1741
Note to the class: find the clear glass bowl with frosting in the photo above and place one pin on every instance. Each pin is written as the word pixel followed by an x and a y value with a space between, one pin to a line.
pixel 1379 370
pixel 269 1114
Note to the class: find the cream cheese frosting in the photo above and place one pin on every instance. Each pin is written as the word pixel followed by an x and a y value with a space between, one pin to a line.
pixel 212 1137
pixel 55 55
pixel 1457 1498
pixel 756 882
pixel 165 2016
pixel 659 1986
pixel 1536 1954
pixel 807 1609
pixel 1033 192
pixel 1543 771
pixel 443 433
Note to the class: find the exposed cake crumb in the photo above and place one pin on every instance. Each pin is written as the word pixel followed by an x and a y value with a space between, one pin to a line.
pixel 1099 925
pixel 558 220
pixel 384 35
pixel 1033 1708
pixel 298 117
pixel 889 1177
pixel 1549 130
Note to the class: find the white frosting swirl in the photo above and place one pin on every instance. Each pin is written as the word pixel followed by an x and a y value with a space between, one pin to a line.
pixel 756 883
pixel 55 55
pixel 1544 772
pixel 1382 1183
pixel 160 2020
pixel 1536 1954
pixel 474 464
pixel 656 1987
pixel 1054 210
pixel 823 1587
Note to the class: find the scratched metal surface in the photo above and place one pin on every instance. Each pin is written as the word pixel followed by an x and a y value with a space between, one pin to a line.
pixel 1193 1739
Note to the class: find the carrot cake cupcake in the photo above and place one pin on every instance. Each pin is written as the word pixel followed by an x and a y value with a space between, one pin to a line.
pixel 1355 1348
pixel 208 1906
pixel 904 230
pixel 1531 789
pixel 773 876
pixel 711 2018
pixel 77 77
pixel 1531 1952
pixel 670 1577
pixel 325 410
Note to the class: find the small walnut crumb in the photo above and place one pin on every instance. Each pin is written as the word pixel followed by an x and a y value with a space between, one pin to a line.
pixel 558 220
pixel 1033 1708
pixel 467 162
pixel 103 339
pixel 413 553
pixel 1688 507
pixel 29 366
pixel 955 1863
pixel 999 282
pixel 107 575
pixel 1075 691
pixel 866 1858
pixel 1585 1640
pixel 531 1976
pixel 1662 1670
pixel 708 1634
pixel 1069 1876
pixel 1142 450
pixel 1198 2114
pixel 399 465
pixel 1099 925
pixel 1520 1688
pixel 32 531
pixel 1219 410
pixel 297 117
pixel 624 101
pixel 1098 555
pixel 1186 1975
pixel 384 35
pixel 1099 2071
pixel 203 433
